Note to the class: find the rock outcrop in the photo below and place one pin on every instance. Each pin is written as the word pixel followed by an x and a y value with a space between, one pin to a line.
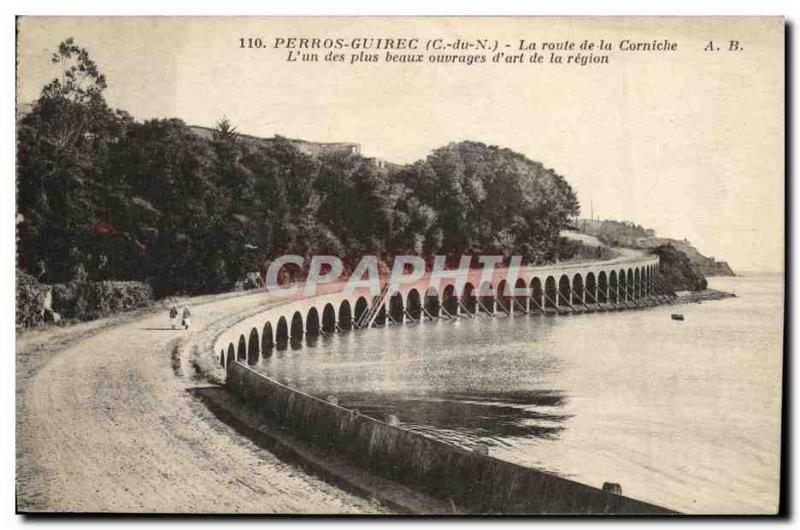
pixel 723 269
pixel 677 270
pixel 705 265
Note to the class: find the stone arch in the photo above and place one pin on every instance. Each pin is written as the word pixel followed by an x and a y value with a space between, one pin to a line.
pixel 602 287
pixel 469 299
pixel 231 355
pixel 414 304
pixel 345 316
pixel 503 296
pixel 591 289
pixel 361 308
pixel 281 333
pixel 613 287
pixel 253 347
pixel 450 299
pixel 222 357
pixel 486 294
pixel 312 322
pixel 521 296
pixel 396 307
pixel 550 292
pixel 564 290
pixel 623 286
pixel 577 290
pixel 630 285
pixel 267 340
pixel 328 318
pixel 296 330
pixel 537 294
pixel 432 302
pixel 637 284
pixel 241 351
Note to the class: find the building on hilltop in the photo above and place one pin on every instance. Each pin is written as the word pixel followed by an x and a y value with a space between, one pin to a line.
pixel 304 146
pixel 326 148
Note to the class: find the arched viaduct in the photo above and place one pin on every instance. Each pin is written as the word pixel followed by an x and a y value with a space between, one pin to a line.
pixel 623 283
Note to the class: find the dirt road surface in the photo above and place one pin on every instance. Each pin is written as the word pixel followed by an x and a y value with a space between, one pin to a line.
pixel 104 424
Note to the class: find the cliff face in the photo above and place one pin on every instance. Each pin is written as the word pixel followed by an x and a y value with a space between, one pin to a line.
pixel 626 234
pixel 722 269
pixel 706 266
pixel 678 271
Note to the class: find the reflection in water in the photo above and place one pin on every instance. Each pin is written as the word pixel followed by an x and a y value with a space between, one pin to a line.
pixel 682 414
pixel 467 420
pixel 423 375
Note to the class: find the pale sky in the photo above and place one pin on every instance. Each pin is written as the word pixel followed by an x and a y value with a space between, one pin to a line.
pixel 690 143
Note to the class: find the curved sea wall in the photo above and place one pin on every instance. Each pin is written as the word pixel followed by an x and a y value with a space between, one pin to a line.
pixel 473 481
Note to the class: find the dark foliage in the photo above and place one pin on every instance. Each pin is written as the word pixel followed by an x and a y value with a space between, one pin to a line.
pixel 104 197
pixel 91 300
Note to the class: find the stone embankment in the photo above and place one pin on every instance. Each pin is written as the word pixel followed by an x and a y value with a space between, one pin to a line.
pixel 472 481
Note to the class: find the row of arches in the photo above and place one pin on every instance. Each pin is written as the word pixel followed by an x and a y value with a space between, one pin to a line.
pixel 578 292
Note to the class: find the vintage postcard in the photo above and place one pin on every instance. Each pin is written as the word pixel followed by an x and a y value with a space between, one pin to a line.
pixel 407 265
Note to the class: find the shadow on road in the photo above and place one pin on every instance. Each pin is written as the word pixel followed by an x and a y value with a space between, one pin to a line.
pixel 231 411
pixel 334 469
pixel 222 405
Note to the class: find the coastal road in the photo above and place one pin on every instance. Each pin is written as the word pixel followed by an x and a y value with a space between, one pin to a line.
pixel 104 424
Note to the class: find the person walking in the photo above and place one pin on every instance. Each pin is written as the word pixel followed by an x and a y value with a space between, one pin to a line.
pixel 173 317
pixel 187 316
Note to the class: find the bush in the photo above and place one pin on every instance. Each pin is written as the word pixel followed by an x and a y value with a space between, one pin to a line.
pixel 32 299
pixel 90 300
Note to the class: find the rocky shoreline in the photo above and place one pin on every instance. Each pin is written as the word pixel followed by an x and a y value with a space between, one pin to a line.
pixel 689 297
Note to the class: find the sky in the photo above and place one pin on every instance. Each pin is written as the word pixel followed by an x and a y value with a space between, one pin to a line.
pixel 690 142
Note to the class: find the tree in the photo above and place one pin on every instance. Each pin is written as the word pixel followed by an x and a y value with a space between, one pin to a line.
pixel 103 196
pixel 491 200
pixel 63 144
pixel 72 105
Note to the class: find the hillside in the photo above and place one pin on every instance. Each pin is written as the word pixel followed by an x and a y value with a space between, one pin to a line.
pixel 708 266
pixel 630 235
pixel 188 209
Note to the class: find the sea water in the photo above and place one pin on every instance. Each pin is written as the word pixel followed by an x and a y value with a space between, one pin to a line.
pixel 683 414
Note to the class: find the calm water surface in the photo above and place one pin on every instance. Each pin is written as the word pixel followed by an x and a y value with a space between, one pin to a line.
pixel 681 414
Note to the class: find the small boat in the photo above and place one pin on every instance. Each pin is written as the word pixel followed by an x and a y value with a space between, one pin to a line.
pixel 677 316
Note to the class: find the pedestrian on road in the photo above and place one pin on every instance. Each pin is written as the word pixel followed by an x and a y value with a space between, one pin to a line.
pixel 173 317
pixel 187 316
